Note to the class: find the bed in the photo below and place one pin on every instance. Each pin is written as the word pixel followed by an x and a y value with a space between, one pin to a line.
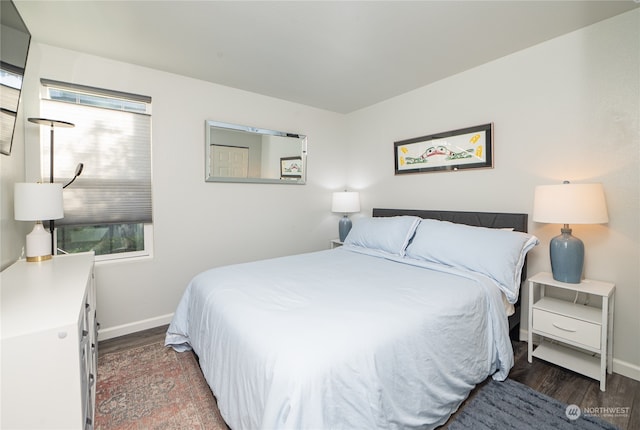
pixel 391 330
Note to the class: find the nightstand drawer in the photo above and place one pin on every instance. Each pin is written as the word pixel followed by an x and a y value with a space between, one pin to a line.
pixel 563 327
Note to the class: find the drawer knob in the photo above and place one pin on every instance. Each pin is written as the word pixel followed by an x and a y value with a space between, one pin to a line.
pixel 563 328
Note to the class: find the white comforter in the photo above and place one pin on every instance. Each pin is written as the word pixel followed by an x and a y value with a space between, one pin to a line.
pixel 342 340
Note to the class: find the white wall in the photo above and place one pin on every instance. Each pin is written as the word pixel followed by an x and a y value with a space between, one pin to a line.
pixel 565 109
pixel 201 225
pixel 12 232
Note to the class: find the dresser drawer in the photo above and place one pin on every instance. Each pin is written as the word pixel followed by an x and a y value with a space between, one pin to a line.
pixel 563 327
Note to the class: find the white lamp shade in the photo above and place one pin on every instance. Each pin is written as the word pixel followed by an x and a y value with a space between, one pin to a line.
pixel 570 204
pixel 38 202
pixel 345 202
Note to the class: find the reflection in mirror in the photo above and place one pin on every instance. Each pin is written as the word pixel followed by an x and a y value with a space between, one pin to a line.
pixel 237 153
pixel 14 46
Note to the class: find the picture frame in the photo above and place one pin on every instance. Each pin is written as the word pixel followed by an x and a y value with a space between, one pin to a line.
pixel 465 148
pixel 291 167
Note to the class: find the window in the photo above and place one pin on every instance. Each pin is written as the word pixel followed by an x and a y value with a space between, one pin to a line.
pixel 108 207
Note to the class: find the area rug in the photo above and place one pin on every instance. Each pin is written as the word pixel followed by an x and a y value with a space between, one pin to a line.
pixel 153 387
pixel 512 405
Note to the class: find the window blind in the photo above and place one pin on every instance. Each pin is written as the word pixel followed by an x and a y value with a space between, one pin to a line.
pixel 114 146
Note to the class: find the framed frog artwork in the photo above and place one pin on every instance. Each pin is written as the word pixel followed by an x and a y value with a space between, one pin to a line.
pixel 466 148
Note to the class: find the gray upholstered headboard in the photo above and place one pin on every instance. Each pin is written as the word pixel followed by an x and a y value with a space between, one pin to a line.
pixel 515 221
pixel 518 222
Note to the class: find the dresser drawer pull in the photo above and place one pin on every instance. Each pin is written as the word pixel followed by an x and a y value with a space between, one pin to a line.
pixel 563 328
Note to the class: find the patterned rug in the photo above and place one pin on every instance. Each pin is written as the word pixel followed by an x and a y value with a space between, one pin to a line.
pixel 153 387
pixel 512 405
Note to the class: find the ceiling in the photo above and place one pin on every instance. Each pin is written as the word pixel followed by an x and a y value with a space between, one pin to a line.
pixel 340 56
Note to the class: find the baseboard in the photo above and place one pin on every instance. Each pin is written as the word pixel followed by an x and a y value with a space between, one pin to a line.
pixel 620 367
pixel 124 329
pixel 626 369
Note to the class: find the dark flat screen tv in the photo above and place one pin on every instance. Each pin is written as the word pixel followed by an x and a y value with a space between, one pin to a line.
pixel 14 48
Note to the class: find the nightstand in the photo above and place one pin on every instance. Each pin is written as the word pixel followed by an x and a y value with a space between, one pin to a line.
pixel 334 243
pixel 572 335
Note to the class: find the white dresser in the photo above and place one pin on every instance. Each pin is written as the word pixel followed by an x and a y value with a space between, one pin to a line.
pixel 49 344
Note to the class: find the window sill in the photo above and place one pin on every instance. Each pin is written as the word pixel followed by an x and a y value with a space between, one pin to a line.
pixel 124 258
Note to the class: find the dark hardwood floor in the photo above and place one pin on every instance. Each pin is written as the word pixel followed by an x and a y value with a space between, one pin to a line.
pixel 620 404
pixel 132 340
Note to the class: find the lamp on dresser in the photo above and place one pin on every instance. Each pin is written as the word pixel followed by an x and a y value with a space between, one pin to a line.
pixel 566 204
pixel 38 202
pixel 345 202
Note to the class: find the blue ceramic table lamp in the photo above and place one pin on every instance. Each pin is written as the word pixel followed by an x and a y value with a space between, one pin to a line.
pixel 569 204
pixel 345 202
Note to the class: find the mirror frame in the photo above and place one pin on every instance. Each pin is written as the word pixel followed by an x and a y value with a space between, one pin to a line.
pixel 12 25
pixel 294 180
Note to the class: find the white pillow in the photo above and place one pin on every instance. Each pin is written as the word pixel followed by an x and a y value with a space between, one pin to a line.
pixel 496 253
pixel 386 234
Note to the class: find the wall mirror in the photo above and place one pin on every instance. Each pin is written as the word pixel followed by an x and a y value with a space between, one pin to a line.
pixel 14 47
pixel 238 153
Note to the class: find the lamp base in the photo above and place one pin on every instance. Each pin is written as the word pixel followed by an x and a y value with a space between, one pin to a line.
pixel 39 259
pixel 567 257
pixel 344 226
pixel 38 244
